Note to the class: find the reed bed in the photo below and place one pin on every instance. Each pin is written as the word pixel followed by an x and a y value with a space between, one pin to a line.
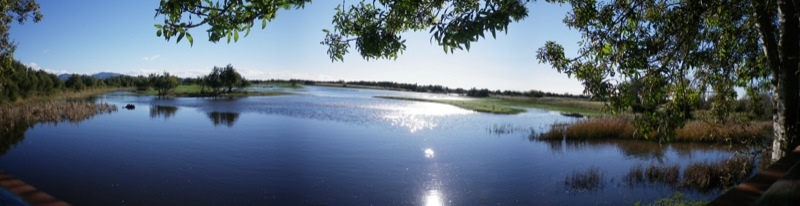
pixel 592 128
pixel 702 175
pixel 699 131
pixel 668 174
pixel 583 181
pixel 694 131
pixel 52 111
pixel 724 174
pixel 18 117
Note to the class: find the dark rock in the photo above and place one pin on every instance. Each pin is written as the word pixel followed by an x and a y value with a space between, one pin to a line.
pixel 130 107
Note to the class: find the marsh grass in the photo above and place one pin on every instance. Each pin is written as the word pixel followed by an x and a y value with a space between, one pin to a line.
pixel 677 199
pixel 17 117
pixel 724 174
pixel 592 128
pixel 729 132
pixel 474 105
pixel 694 131
pixel 584 107
pixel 667 174
pixel 584 181
pixel 703 176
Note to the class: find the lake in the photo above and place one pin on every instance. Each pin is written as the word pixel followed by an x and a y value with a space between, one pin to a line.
pixel 329 146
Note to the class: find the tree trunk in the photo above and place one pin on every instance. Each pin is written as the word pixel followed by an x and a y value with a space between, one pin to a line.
pixel 787 86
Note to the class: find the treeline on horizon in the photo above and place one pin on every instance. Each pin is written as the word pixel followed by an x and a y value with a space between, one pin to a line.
pixel 20 82
pixel 473 92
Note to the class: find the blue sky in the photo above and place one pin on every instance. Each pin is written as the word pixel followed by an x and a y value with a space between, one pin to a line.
pixel 90 36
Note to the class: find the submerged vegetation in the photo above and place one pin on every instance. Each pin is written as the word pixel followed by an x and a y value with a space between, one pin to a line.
pixel 677 199
pixel 584 181
pixel 703 176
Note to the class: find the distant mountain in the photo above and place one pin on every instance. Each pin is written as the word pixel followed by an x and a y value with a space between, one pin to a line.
pixel 64 77
pixel 106 75
pixel 101 75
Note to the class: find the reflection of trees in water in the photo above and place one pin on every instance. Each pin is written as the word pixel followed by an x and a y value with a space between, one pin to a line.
pixel 640 149
pixel 17 118
pixel 162 111
pixel 223 118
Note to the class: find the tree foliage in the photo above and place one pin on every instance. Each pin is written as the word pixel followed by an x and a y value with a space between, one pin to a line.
pixel 25 82
pixel 374 27
pixel 163 84
pixel 662 58
pixel 224 80
pixel 227 20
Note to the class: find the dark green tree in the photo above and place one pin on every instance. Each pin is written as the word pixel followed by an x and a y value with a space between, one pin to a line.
pixel 10 11
pixel 665 57
pixel 75 82
pixel 163 84
pixel 224 79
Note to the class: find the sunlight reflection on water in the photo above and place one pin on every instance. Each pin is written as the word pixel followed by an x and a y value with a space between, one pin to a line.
pixel 434 198
pixel 417 115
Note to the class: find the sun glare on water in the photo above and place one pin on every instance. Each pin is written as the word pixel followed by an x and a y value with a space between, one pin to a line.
pixel 419 115
pixel 434 198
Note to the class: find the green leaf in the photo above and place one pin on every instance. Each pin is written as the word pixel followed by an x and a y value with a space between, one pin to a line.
pixel 158 26
pixel 180 37
pixel 263 23
pixel 191 40
pixel 158 33
pixel 235 36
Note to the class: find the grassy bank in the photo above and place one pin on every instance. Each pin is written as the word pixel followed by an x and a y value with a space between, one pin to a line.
pixel 565 105
pixel 195 90
pixel 474 105
pixel 693 131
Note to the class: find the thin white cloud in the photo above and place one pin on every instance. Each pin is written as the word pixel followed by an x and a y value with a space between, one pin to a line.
pixel 46 51
pixel 35 66
pixel 251 74
pixel 151 58
pixel 284 75
pixel 182 73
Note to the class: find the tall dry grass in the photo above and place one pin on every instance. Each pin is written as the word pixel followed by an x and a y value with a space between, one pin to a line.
pixel 592 128
pixel 730 132
pixel 694 131
pixel 724 174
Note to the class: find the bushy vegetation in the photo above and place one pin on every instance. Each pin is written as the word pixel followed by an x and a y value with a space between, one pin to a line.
pixel 164 83
pixel 223 80
pixel 21 82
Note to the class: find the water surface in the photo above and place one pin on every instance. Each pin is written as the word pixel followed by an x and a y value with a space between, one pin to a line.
pixel 327 146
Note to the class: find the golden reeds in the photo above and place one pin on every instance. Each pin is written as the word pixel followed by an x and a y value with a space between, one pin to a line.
pixel 694 131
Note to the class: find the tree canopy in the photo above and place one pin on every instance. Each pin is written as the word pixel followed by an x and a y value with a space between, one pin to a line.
pixel 372 27
pixel 224 79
